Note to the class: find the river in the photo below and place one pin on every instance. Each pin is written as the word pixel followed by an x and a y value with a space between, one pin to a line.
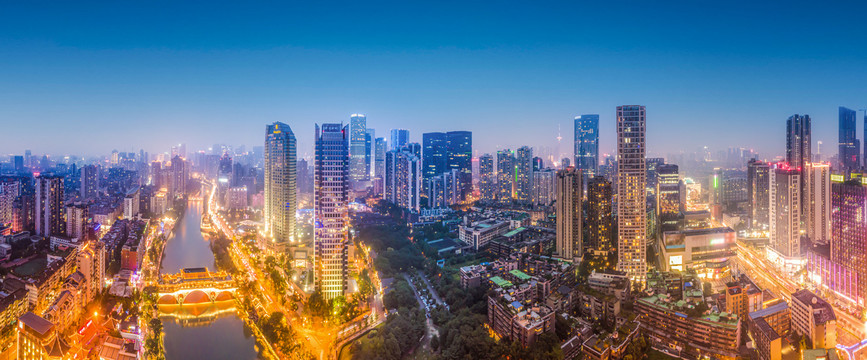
pixel 208 331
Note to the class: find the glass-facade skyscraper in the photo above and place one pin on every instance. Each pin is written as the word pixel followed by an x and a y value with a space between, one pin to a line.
pixel 398 139
pixel 358 170
pixel 849 150
pixel 460 152
pixel 524 174
pixel 435 157
pixel 587 144
pixel 280 183
pixel 331 210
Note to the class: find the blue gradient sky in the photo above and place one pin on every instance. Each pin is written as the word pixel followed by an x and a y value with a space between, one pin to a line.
pixel 86 78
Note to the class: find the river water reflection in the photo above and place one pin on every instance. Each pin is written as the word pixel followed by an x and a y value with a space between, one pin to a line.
pixel 207 331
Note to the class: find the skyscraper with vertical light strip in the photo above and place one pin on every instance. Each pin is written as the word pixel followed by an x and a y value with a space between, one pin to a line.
pixel 631 196
pixel 331 209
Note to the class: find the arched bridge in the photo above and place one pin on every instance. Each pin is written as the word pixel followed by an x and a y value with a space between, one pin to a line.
pixel 195 286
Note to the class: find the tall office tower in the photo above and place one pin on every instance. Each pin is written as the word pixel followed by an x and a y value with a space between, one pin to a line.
pixel 849 230
pixel 369 155
pixel 818 205
pixel 544 187
pixel 668 197
pixel 89 181
pixel 331 210
pixel 114 160
pixel 91 263
pixel 18 162
pixel 631 193
pixel 505 175
pixel 785 210
pixel 398 139
pixel 179 176
pixel 303 176
pixel 435 155
pixel 403 184
pixel 181 150
pixel 758 192
pixel 565 163
pixel 569 244
pixel 849 151
pixel 600 215
pixel 538 164
pixel 460 150
pixel 798 148
pixel 77 217
pixel 487 178
pixel 380 147
pixel 49 205
pixel 281 180
pixel 524 174
pixel 357 147
pixel 225 170
pixel 587 144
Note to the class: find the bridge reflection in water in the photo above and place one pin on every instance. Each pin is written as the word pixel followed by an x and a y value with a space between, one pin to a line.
pixel 201 314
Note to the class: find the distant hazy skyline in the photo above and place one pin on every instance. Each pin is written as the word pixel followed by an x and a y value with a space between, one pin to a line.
pixel 81 78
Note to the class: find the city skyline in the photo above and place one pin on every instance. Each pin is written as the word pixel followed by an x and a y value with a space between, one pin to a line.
pixel 198 83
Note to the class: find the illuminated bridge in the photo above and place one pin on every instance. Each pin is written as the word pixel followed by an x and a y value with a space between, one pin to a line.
pixel 196 286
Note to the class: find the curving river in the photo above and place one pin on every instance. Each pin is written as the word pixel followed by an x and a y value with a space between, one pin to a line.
pixel 207 331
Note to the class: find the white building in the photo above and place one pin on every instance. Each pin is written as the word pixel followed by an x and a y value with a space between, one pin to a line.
pixel 631 193
pixel 818 207
pixel 479 233
pixel 785 210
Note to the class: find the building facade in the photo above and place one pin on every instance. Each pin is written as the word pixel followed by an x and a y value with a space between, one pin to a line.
pixel 569 243
pixel 280 183
pixel 587 144
pixel 331 210
pixel 785 210
pixel 631 193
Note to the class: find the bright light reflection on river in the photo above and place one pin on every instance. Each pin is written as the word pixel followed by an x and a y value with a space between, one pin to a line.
pixel 207 331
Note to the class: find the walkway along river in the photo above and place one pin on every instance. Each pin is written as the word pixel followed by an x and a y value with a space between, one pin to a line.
pixel 208 331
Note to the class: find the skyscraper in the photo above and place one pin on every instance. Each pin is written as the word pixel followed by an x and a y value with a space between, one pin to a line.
pixel 49 205
pixel 758 193
pixel 849 229
pixel 668 197
pixel 631 193
pixel 798 148
pixel 849 150
pixel 10 189
pixel 487 178
pixel 403 185
pixel 281 181
pixel 460 152
pixel 89 182
pixel 331 210
pixel 77 217
pixel 569 244
pixel 357 147
pixel 505 175
pixel 600 216
pixel 587 144
pixel 399 138
pixel 818 205
pixel 524 174
pixel 785 210
pixel 380 147
pixel 435 156
pixel 179 175
pixel 369 152
pixel 544 187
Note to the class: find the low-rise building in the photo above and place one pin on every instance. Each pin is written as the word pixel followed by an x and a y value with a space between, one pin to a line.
pixel 768 327
pixel 38 339
pixel 478 234
pixel 814 318
pixel 707 251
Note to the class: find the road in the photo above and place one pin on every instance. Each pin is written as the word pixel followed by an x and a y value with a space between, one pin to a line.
pixel 430 288
pixel 850 330
pixel 430 329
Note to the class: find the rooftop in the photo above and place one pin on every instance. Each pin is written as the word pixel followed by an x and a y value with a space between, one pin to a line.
pixel 36 322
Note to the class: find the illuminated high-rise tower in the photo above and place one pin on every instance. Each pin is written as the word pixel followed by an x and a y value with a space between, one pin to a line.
pixel 569 243
pixel 818 205
pixel 460 154
pixel 524 174
pixel 331 209
pixel 505 176
pixel 487 178
pixel 758 183
pixel 631 193
pixel 849 150
pixel 600 219
pixel 849 231
pixel 49 206
pixel 399 138
pixel 785 210
pixel 587 144
pixel 358 170
pixel 89 182
pixel 281 172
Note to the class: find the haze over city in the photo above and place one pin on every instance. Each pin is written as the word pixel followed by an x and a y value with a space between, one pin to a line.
pixel 131 76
